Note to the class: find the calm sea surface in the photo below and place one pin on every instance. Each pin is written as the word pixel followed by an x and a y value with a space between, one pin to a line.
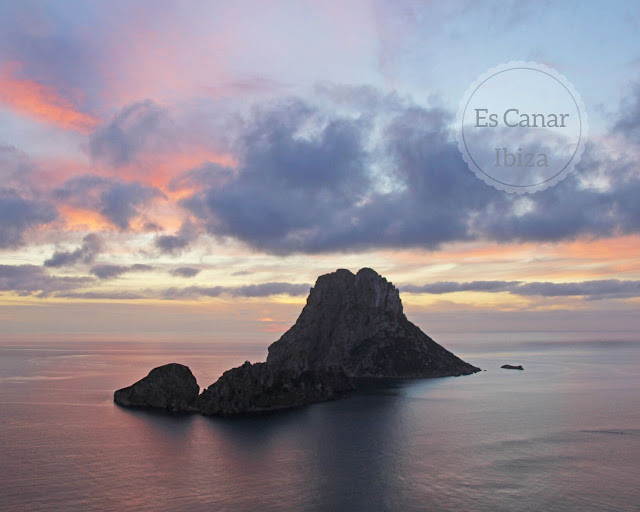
pixel 562 435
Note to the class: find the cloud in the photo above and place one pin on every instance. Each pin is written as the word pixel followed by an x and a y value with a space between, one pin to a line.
pixel 54 61
pixel 383 172
pixel 177 243
pixel 592 290
pixel 15 168
pixel 140 127
pixel 289 186
pixel 18 215
pixel 628 122
pixel 31 279
pixel 113 271
pixel 118 201
pixel 86 253
pixel 266 289
pixel 42 103
pixel 121 202
pixel 192 292
pixel 184 272
pixel 598 289
pixel 451 287
pixel 208 174
pixel 101 295
pixel 252 290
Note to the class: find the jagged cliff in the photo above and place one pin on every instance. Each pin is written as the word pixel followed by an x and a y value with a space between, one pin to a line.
pixel 353 325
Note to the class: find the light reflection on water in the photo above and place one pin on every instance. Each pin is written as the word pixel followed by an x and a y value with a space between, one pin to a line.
pixel 562 435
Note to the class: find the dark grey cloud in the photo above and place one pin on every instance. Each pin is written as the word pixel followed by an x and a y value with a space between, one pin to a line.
pixel 32 279
pixel 152 226
pixel 597 289
pixel 101 295
pixel 192 292
pixel 176 244
pixel 592 290
pixel 15 167
pixel 121 202
pixel 209 174
pixel 140 127
pixel 391 175
pixel 86 253
pixel 288 184
pixel 266 289
pixel 113 271
pixel 252 290
pixel 452 286
pixel 18 215
pixel 184 271
pixel 628 122
pixel 118 201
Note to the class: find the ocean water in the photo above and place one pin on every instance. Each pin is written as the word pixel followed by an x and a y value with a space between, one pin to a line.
pixel 564 435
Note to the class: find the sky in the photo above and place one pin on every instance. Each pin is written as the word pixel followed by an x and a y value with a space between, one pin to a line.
pixel 181 170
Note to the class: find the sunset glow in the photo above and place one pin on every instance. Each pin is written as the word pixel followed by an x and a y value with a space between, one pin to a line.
pixel 204 157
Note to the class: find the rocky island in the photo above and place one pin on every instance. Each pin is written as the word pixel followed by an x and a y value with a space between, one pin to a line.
pixel 512 367
pixel 352 326
pixel 171 387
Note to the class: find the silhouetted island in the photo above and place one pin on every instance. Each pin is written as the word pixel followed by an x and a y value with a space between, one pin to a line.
pixel 352 326
pixel 512 367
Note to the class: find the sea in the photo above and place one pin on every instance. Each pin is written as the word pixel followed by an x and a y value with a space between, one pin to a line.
pixel 562 435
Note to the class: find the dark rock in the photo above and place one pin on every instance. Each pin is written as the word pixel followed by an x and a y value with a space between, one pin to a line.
pixel 353 326
pixel 171 387
pixel 253 388
pixel 356 322
pixel 512 367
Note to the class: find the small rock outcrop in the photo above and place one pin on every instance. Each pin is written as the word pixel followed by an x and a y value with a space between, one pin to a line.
pixel 171 387
pixel 352 326
pixel 512 367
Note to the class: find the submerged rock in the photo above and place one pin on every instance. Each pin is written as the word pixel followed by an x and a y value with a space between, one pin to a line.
pixel 352 326
pixel 171 387
pixel 512 367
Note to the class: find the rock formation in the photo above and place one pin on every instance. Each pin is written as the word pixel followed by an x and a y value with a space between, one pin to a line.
pixel 512 367
pixel 356 323
pixel 171 387
pixel 352 326
pixel 259 387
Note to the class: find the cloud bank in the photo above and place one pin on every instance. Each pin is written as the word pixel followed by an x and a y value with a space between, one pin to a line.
pixel 592 290
pixel 390 175
pixel 31 279
pixel 86 253
pixel 113 271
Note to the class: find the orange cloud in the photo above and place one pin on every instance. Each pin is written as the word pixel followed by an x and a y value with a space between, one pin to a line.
pixel 159 170
pixel 77 219
pixel 42 103
pixel 578 260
